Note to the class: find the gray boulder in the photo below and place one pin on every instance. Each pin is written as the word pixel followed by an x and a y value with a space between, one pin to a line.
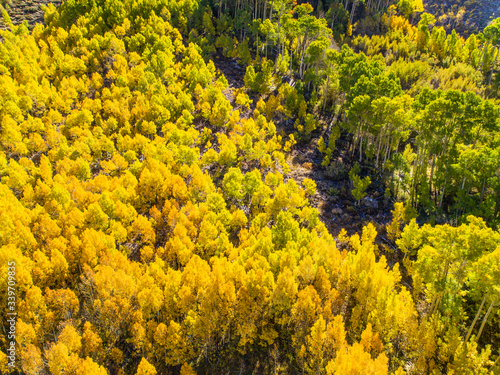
pixel 370 202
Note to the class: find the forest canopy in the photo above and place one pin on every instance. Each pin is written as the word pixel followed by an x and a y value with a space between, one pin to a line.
pixel 157 220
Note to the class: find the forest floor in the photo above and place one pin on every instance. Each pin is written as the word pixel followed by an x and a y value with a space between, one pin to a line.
pixel 29 10
pixel 475 15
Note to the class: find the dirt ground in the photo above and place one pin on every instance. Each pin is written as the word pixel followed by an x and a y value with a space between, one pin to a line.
pixel 29 10
pixel 474 18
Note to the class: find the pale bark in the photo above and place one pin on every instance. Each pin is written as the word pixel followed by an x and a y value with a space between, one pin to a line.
pixel 475 319
pixel 484 320
pixel 494 65
pixel 353 9
pixel 485 51
pixel 442 194
pixel 495 363
pixel 482 191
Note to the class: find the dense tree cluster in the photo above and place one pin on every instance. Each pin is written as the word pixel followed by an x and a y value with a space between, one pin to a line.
pixel 153 222
pixel 418 102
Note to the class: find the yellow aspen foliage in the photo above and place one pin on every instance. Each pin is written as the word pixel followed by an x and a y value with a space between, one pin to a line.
pixel 142 231
pixel 42 269
pixel 91 342
pixel 138 336
pixel 94 244
pixel 60 360
pixel 116 355
pixel 284 294
pixel 306 309
pixel 150 297
pixel 16 219
pixel 35 315
pixel 24 279
pixel 335 335
pixel 469 359
pixel 88 366
pixel 96 217
pixel 17 176
pixel 257 285
pixel 315 347
pixel 239 219
pixel 147 254
pixel 4 363
pixel 70 337
pixel 371 341
pixel 32 361
pixel 410 239
pixel 145 368
pixel 353 360
pixel 187 369
pixel 156 226
pixel 26 334
pixel 220 297
pixel 309 185
pixel 401 215
pixel 45 169
pixel 174 341
pixel 63 304
pixel 180 247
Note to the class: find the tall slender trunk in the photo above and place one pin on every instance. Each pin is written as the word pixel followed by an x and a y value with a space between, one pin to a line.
pixel 361 148
pixel 475 318
pixel 419 167
pixel 333 19
pixel 353 9
pixel 432 173
pixel 279 30
pixel 302 55
pixel 387 147
pixel 494 65
pixel 435 303
pixel 442 194
pixel 485 51
pixel 441 294
pixel 482 191
pixel 459 210
pixel 378 148
pixel 495 363
pixel 267 41
pixel 484 320
pixel 342 108
pixel 301 65
pixel 326 91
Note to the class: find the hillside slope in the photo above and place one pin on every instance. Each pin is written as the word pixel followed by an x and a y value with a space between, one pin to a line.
pixel 30 10
pixel 466 17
